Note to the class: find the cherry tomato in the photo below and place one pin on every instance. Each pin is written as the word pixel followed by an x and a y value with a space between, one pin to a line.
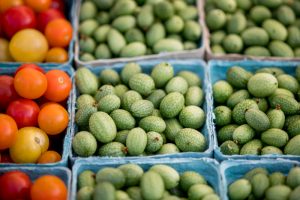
pixel 48 187
pixel 6 4
pixel 31 142
pixel 18 18
pixel 59 33
pixel 49 157
pixel 7 91
pixel 57 55
pixel 24 111
pixel 53 119
pixel 47 16
pixel 4 50
pixel 30 65
pixel 30 83
pixel 38 5
pixel 28 45
pixel 15 185
pixel 8 131
pixel 59 85
pixel 58 4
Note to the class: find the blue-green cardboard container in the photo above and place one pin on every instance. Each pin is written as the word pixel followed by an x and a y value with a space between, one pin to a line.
pixel 196 66
pixel 184 54
pixel 232 170
pixel 66 143
pixel 217 71
pixel 62 172
pixel 70 7
pixel 207 167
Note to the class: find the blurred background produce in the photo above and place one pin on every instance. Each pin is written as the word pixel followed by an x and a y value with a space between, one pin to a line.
pixel 254 27
pixel 128 28
pixel 34 31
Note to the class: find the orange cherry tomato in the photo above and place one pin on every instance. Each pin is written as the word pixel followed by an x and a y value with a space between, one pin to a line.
pixel 59 85
pixel 59 33
pixel 57 55
pixel 39 5
pixel 30 83
pixel 49 157
pixel 6 4
pixel 8 131
pixel 53 119
pixel 48 187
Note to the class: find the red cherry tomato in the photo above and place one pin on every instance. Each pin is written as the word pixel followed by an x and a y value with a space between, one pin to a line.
pixel 47 16
pixel 7 91
pixel 58 4
pixel 24 111
pixel 15 185
pixel 18 18
pixel 32 66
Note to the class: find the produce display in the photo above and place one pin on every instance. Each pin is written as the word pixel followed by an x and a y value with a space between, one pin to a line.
pixel 130 28
pixel 34 31
pixel 129 112
pixel 133 113
pixel 258 113
pixel 18 185
pixel 254 27
pixel 33 118
pixel 130 181
pixel 260 184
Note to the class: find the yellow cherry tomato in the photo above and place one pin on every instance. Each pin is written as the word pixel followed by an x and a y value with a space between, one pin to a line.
pixel 57 55
pixel 30 144
pixel 28 45
pixel 4 51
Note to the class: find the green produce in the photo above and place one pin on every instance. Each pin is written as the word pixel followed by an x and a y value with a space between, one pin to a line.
pixel 229 148
pixel 84 144
pixel 136 114
pixel 255 28
pixel 136 141
pixel 131 181
pixel 268 122
pixel 258 184
pixel 86 179
pixel 132 28
pixel 239 189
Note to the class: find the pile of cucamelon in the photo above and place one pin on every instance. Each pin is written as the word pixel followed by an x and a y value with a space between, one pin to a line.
pixel 259 184
pixel 129 28
pixel 133 113
pixel 254 27
pixel 129 181
pixel 258 113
